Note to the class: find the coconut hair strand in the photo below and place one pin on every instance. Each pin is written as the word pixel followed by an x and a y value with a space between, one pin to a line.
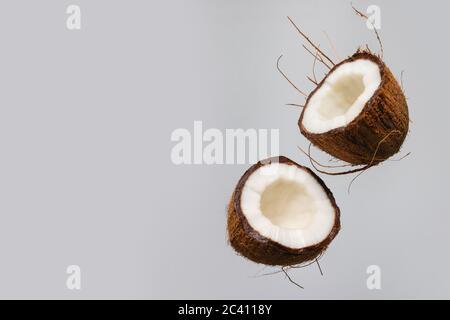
pixel 362 15
pixel 286 77
pixel 309 41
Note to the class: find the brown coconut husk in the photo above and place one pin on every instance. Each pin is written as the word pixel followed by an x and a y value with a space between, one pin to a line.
pixel 252 245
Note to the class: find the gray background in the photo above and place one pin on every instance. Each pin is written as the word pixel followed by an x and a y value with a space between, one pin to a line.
pixel 85 124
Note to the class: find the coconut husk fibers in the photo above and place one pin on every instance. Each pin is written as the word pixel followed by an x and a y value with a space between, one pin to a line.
pixel 252 245
pixel 377 132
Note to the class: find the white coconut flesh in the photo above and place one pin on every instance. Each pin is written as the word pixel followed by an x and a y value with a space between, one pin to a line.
pixel 287 205
pixel 342 96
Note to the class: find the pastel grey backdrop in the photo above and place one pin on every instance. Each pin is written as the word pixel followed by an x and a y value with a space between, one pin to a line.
pixel 85 124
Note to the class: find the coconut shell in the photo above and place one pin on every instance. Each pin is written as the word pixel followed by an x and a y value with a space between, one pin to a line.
pixel 252 245
pixel 383 123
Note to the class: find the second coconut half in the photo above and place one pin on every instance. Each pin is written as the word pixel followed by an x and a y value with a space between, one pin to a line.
pixel 281 213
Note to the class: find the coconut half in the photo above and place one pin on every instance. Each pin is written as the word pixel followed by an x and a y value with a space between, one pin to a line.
pixel 358 112
pixel 281 213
